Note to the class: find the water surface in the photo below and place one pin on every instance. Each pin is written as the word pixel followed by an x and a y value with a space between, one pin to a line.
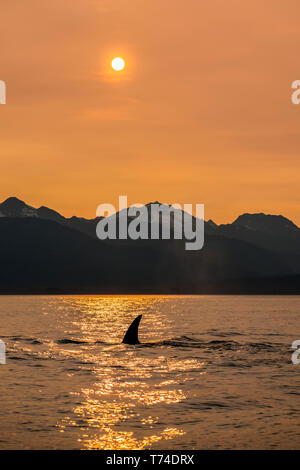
pixel 218 373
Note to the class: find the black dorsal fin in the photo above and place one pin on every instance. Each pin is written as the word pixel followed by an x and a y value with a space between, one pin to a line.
pixel 131 336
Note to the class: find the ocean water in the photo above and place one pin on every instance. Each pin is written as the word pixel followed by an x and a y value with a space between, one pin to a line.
pixel 216 373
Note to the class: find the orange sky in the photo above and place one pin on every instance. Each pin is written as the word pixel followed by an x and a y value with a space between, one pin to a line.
pixel 202 113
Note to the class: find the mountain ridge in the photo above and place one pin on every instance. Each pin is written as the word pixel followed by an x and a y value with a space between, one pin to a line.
pixel 15 207
pixel 41 251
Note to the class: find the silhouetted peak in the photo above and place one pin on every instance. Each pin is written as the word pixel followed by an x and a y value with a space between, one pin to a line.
pixel 14 207
pixel 264 222
pixel 211 223
pixel 156 202
pixel 12 203
pixel 44 211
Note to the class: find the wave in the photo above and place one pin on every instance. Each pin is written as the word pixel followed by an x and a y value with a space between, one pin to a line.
pixel 71 341
pixel 184 342
pixel 23 338
pixel 188 342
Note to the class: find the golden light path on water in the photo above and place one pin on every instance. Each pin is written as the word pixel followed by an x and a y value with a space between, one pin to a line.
pixel 212 372
pixel 127 404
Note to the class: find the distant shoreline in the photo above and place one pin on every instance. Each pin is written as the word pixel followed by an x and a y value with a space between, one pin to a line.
pixel 145 294
pixel 288 285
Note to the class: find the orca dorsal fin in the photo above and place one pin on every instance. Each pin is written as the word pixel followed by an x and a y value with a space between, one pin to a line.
pixel 131 336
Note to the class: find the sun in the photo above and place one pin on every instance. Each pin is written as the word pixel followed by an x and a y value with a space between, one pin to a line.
pixel 118 64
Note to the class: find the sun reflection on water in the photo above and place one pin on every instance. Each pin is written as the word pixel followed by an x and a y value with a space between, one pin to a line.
pixel 113 440
pixel 102 415
pixel 126 405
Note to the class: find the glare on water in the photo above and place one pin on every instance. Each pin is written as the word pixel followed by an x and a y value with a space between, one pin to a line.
pixel 211 372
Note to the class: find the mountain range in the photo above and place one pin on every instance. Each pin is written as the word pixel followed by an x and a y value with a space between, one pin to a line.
pixel 43 252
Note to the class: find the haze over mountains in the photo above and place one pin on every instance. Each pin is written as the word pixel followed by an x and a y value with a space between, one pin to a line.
pixel 43 252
